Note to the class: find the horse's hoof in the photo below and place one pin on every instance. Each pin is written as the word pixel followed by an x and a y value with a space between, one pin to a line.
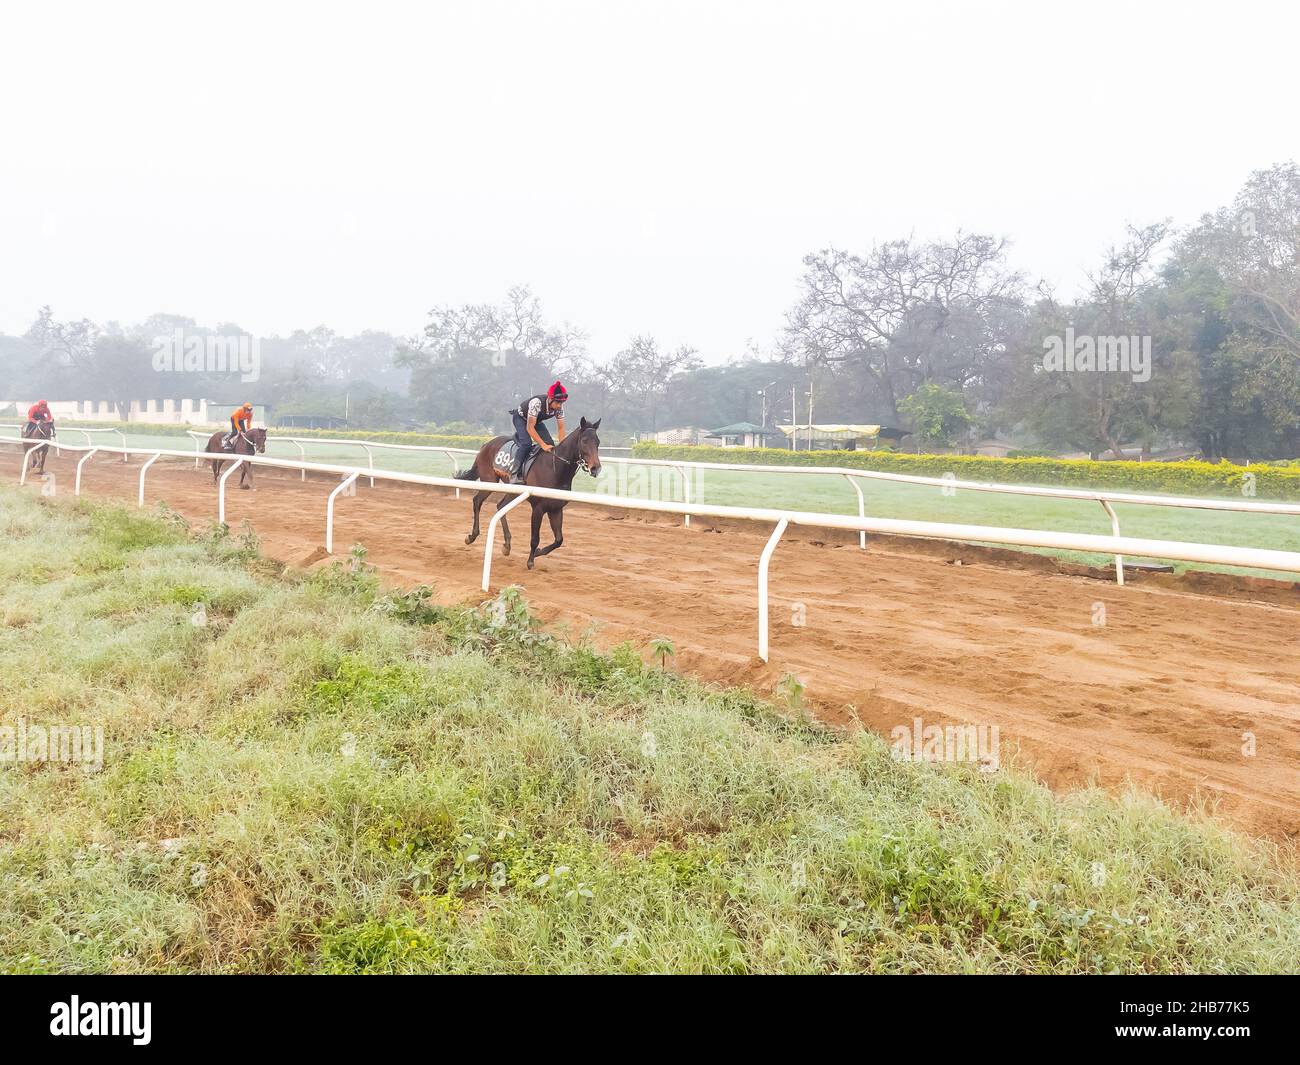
pixel 245 487
pixel 505 549
pixel 530 563
pixel 469 539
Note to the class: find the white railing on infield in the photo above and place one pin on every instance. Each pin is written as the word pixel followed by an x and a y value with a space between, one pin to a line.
pixel 1206 554
pixel 85 433
pixel 1105 499
pixel 851 475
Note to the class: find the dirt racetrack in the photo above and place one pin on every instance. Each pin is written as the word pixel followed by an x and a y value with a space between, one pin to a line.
pixel 1164 693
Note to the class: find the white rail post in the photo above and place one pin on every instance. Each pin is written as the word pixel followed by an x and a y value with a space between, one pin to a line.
pixel 370 458
pixel 81 462
pixel 686 491
pixel 763 561
pixel 221 489
pixel 302 456
pixel 143 470
pixel 28 452
pixel 329 510
pixel 455 466
pixel 491 535
pixel 1114 528
pixel 862 509
pixel 197 461
pixel 122 435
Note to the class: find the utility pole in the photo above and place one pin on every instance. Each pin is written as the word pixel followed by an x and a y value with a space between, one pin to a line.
pixel 809 394
pixel 763 392
pixel 794 420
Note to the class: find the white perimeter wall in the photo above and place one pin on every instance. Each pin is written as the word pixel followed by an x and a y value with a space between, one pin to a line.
pixel 157 411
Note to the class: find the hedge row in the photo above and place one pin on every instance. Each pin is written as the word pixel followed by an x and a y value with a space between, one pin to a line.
pixel 1190 478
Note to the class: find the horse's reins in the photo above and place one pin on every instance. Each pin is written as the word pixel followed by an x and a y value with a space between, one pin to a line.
pixel 580 462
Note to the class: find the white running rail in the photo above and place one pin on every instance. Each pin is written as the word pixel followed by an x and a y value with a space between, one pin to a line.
pixel 1211 554
pixel 851 474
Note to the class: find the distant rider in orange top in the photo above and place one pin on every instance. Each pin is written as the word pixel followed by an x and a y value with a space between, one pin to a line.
pixel 241 420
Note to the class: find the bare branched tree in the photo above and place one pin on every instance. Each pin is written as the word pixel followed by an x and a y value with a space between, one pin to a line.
pixel 905 313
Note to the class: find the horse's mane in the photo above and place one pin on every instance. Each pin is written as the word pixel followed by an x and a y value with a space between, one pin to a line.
pixel 570 443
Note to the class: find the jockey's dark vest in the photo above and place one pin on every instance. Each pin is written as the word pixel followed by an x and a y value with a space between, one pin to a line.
pixel 543 414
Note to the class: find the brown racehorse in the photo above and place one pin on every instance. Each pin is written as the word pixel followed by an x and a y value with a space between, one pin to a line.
pixel 551 469
pixel 245 444
pixel 35 457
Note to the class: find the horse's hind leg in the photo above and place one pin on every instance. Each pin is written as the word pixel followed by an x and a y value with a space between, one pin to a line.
pixel 216 469
pixel 478 505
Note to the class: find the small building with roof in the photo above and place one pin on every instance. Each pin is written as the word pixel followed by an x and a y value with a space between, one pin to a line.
pixel 743 434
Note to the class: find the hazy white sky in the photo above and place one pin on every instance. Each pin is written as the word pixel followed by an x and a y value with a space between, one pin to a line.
pixel 647 167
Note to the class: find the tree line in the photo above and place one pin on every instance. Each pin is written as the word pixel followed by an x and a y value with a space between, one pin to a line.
pixel 1187 337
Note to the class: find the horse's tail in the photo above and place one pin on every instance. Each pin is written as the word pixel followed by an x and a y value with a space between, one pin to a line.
pixel 470 474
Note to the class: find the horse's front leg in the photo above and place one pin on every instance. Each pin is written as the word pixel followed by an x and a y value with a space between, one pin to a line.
pixel 216 469
pixel 556 518
pixel 505 526
pixel 537 534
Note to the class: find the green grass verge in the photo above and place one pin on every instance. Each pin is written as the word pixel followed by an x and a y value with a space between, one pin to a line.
pixel 322 778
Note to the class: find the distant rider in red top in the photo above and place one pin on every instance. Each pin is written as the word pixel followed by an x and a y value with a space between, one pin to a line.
pixel 37 414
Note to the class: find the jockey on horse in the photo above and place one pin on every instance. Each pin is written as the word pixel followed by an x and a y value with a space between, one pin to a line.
pixel 555 467
pixel 241 420
pixel 40 426
pixel 242 439
pixel 530 419
pixel 38 415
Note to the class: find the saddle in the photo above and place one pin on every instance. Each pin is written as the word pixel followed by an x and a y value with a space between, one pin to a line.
pixel 506 459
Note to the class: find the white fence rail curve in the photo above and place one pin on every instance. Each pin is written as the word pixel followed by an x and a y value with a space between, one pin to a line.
pixel 1173 550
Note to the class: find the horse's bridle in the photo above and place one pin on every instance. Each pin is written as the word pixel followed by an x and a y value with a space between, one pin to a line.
pixel 249 441
pixel 580 462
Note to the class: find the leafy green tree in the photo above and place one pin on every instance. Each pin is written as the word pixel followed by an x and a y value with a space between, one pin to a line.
pixel 937 414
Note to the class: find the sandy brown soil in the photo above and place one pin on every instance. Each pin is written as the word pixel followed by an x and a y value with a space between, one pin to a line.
pixel 1161 694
